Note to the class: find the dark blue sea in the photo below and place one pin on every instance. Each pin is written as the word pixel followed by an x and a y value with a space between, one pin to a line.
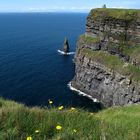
pixel 31 69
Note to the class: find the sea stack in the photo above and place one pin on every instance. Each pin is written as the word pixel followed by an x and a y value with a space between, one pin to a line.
pixel 66 46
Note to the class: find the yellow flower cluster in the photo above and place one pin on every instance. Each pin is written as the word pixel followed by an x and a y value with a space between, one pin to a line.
pixel 37 131
pixel 50 101
pixel 59 127
pixel 29 138
pixel 72 109
pixel 61 107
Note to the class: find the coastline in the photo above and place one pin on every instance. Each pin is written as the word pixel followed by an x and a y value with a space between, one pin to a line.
pixel 63 53
pixel 82 93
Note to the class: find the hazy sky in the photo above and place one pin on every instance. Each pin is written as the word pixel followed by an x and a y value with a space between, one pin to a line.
pixel 63 5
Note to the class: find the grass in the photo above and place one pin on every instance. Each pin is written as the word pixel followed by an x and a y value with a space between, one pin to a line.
pixel 133 52
pixel 18 122
pixel 125 14
pixel 113 63
pixel 89 39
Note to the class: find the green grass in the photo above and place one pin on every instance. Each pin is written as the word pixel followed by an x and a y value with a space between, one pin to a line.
pixel 17 122
pixel 125 14
pixel 133 52
pixel 89 39
pixel 113 63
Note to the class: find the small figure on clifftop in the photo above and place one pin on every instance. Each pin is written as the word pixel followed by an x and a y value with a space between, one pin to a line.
pixel 66 46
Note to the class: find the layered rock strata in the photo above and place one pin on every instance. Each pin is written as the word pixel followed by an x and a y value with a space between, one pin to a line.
pixel 108 57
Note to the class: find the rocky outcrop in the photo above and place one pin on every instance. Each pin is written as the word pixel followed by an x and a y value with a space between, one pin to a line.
pixel 112 81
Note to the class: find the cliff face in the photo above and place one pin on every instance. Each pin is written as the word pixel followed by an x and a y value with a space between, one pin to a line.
pixel 112 25
pixel 108 57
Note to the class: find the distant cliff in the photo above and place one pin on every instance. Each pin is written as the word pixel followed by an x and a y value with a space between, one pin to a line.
pixel 108 57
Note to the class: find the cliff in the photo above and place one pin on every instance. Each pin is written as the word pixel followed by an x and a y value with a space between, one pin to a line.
pixel 108 57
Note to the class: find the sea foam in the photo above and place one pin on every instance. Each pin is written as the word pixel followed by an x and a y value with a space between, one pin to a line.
pixel 63 53
pixel 82 93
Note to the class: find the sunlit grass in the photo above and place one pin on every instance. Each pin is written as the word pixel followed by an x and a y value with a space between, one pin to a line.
pixel 125 14
pixel 18 122
pixel 89 39
pixel 113 63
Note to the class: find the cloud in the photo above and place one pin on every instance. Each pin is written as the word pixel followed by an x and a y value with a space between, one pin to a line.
pixel 36 9
pixel 120 7
pixel 56 8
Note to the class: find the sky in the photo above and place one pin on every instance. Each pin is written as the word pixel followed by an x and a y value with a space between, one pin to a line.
pixel 63 5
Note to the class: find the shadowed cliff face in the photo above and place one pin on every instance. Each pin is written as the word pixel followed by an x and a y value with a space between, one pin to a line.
pixel 108 57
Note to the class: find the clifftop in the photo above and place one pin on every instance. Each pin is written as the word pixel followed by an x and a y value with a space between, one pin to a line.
pixel 122 14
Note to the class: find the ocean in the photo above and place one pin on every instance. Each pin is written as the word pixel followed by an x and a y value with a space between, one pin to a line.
pixel 31 68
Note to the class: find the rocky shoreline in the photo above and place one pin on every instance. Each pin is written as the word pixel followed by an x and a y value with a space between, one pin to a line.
pixel 73 88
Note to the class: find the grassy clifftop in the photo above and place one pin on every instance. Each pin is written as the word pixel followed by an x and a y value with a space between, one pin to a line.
pixel 125 14
pixel 114 63
pixel 18 122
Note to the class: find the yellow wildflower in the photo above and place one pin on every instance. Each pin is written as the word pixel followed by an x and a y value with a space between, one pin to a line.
pixel 58 127
pixel 50 102
pixel 72 109
pixel 37 131
pixel 29 138
pixel 61 107
pixel 74 130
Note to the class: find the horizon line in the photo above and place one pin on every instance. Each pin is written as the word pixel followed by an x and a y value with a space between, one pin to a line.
pixel 44 11
pixel 62 11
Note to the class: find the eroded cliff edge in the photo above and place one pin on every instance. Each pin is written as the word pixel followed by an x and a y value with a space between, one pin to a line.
pixel 108 57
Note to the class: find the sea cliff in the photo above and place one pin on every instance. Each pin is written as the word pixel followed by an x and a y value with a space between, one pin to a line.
pixel 108 57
